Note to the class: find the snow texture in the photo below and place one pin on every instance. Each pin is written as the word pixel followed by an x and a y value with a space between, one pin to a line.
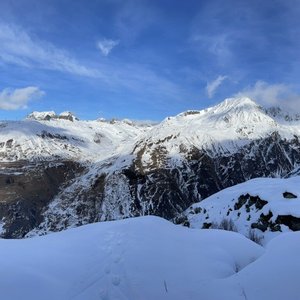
pixel 148 258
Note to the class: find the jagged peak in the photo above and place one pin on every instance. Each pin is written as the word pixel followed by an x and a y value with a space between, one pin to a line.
pixel 50 115
pixel 239 109
pixel 228 105
pixel 239 101
pixel 41 115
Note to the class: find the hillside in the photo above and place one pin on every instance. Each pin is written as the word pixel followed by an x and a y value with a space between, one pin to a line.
pixel 260 208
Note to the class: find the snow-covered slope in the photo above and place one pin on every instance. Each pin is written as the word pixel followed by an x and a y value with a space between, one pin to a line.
pixel 263 207
pixel 223 128
pixel 281 115
pixel 63 139
pixel 148 258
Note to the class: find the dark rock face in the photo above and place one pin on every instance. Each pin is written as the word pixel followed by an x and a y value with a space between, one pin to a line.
pixel 158 185
pixel 164 188
pixel 26 189
pixel 167 189
pixel 248 200
pixel 289 195
pixel 292 222
pixel 264 223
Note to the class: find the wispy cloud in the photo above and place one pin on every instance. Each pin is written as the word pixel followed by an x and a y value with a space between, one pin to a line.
pixel 133 17
pixel 106 45
pixel 212 86
pixel 272 95
pixel 215 44
pixel 23 49
pixel 13 99
pixel 18 47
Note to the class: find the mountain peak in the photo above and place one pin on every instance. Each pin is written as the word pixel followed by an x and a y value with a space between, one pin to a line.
pixel 239 103
pixel 50 115
pixel 238 112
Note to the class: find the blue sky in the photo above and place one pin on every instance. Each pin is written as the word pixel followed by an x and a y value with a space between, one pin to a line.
pixel 146 59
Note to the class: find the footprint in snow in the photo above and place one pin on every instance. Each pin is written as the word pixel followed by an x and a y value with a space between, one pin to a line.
pixel 116 280
pixel 117 259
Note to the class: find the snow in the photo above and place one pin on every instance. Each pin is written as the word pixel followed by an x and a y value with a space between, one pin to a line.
pixel 281 115
pixel 221 205
pixel 67 114
pixel 223 128
pixel 148 258
pixel 41 115
pixel 274 274
pixel 57 138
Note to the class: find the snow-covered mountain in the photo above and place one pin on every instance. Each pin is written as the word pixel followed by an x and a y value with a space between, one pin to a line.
pixel 39 139
pixel 57 173
pixel 148 258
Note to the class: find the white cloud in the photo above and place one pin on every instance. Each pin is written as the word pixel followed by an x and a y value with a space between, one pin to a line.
pixel 19 48
pixel 211 87
pixel 18 99
pixel 269 95
pixel 217 45
pixel 107 45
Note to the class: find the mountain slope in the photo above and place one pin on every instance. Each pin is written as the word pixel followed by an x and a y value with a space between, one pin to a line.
pixel 63 139
pixel 121 169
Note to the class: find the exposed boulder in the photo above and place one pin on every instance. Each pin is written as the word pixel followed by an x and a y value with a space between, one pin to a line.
pixel 289 195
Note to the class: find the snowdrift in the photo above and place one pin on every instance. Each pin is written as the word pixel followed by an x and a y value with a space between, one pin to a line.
pixel 148 258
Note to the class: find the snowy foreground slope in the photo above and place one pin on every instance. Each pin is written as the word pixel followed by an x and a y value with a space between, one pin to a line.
pixel 267 206
pixel 148 258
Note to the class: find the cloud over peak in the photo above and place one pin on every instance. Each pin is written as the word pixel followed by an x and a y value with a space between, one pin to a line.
pixel 13 99
pixel 212 86
pixel 106 45
pixel 271 95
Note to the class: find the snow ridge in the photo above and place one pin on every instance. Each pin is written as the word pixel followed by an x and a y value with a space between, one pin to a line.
pixel 225 127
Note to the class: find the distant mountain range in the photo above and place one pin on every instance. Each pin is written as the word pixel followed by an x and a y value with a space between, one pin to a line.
pixel 58 172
